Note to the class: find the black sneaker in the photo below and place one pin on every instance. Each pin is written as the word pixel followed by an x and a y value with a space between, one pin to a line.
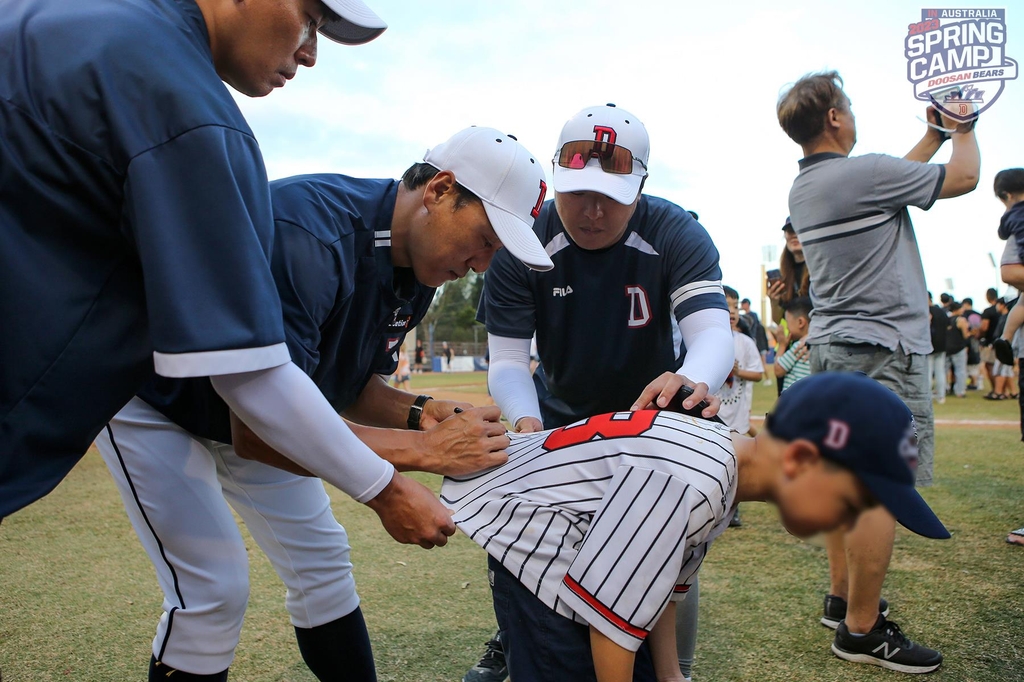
pixel 491 667
pixel 1004 351
pixel 835 610
pixel 885 646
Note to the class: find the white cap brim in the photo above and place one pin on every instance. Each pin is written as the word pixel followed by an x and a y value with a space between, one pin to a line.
pixel 519 238
pixel 622 188
pixel 358 23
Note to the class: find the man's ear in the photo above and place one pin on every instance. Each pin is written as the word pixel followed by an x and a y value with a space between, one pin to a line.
pixel 832 119
pixel 798 456
pixel 438 187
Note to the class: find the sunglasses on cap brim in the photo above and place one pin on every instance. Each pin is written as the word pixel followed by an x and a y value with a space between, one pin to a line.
pixel 613 158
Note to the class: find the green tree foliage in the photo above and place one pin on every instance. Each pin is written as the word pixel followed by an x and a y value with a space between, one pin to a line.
pixel 452 315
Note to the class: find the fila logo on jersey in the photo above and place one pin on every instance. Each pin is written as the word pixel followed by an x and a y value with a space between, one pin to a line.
pixel 561 291
pixel 639 306
pixel 838 434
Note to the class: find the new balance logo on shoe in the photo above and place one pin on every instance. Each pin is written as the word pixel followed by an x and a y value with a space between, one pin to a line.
pixel 888 654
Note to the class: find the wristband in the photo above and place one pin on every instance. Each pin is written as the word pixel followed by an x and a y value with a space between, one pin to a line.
pixel 416 411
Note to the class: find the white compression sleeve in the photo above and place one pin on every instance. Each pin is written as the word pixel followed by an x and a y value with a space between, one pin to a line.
pixel 710 351
pixel 284 407
pixel 509 379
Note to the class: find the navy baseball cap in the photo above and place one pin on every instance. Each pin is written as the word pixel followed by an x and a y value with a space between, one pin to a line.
pixel 864 427
pixel 788 225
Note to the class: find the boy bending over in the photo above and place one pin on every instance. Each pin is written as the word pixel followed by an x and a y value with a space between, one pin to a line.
pixel 606 521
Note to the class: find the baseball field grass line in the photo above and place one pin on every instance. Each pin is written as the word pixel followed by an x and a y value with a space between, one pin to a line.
pixel 78 599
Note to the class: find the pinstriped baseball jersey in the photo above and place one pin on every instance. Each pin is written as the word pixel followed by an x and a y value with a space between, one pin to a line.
pixel 606 519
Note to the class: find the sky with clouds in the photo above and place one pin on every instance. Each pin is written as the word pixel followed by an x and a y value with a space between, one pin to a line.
pixel 704 78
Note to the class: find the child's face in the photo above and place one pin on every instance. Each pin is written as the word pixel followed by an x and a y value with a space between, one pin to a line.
pixel 797 326
pixel 815 497
pixel 734 313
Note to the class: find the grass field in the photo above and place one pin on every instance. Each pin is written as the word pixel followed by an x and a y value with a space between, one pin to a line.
pixel 79 600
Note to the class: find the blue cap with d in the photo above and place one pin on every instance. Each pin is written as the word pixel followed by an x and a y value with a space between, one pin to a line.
pixel 865 427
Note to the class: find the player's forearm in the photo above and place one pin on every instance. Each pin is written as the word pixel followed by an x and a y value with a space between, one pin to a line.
pixel 248 445
pixel 780 371
pixel 405 449
pixel 509 379
pixel 287 411
pixel 709 347
pixel 381 405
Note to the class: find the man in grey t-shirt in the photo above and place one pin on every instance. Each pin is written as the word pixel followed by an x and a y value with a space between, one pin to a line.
pixel 870 315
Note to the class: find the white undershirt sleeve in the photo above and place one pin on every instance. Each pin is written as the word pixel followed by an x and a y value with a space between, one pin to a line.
pixel 509 379
pixel 710 351
pixel 285 408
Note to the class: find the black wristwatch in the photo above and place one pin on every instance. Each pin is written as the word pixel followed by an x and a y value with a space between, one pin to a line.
pixel 416 411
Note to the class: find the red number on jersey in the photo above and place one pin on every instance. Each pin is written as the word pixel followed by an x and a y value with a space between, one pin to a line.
pixel 604 426
pixel 540 200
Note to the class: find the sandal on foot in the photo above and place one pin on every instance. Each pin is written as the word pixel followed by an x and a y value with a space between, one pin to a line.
pixel 1016 537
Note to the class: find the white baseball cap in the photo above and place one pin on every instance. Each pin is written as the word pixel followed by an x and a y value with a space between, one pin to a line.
pixel 356 23
pixel 507 178
pixel 609 155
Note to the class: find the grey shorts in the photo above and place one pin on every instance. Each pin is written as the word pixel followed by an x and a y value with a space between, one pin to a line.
pixel 906 375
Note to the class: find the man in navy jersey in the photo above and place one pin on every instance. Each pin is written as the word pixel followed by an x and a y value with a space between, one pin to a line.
pixel 356 263
pixel 634 305
pixel 136 227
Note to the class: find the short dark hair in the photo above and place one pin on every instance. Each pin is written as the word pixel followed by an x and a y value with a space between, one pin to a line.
pixel 730 292
pixel 991 294
pixel 746 300
pixel 946 299
pixel 1009 181
pixel 421 173
pixel 802 108
pixel 800 306
pixel 968 300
